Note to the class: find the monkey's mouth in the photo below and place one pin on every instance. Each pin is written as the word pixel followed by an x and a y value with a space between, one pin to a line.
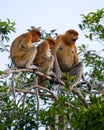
pixel 74 40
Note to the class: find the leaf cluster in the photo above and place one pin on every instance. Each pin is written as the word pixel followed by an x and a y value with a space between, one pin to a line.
pixel 94 62
pixel 6 27
pixel 89 119
pixel 93 25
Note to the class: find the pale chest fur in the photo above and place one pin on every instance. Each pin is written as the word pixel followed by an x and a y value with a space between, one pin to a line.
pixel 49 53
pixel 66 56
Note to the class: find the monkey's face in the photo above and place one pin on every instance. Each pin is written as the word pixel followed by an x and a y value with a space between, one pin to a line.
pixel 36 38
pixel 35 35
pixel 74 38
pixel 71 38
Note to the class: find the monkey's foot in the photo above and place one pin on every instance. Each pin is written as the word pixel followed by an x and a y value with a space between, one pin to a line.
pixel 32 67
pixel 51 73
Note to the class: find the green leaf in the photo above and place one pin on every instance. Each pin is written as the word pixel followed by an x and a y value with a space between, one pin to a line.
pixel 1 72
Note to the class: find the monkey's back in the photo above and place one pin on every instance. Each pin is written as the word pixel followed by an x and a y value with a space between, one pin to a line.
pixel 15 49
pixel 42 50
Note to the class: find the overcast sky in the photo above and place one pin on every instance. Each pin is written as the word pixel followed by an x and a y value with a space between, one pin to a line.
pixel 48 14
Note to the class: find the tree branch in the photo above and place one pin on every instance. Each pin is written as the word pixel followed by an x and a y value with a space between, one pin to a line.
pixel 37 95
pixel 73 89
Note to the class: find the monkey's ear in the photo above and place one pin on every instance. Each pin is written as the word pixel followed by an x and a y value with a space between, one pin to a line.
pixel 33 27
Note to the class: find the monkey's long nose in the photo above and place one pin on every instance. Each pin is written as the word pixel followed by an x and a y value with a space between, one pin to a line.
pixel 74 40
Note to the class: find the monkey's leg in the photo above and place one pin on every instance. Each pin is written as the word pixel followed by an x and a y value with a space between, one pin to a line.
pixel 30 57
pixel 26 60
pixel 49 70
pixel 47 65
pixel 57 68
pixel 78 71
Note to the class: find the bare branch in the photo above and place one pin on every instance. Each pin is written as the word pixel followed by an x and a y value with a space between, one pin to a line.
pixel 26 91
pixel 78 93
pixel 37 95
pixel 13 87
pixel 16 70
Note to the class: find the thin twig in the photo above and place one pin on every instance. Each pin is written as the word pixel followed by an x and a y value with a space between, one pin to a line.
pixel 24 97
pixel 37 95
pixel 13 87
pixel 78 93
pixel 87 83
pixel 26 91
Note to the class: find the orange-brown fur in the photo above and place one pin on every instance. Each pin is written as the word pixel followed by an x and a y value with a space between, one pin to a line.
pixel 44 58
pixel 22 51
pixel 66 57
pixel 66 51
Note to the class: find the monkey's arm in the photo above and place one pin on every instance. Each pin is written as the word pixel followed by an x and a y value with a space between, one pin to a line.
pixel 25 42
pixel 76 60
pixel 56 64
pixel 57 67
pixel 45 58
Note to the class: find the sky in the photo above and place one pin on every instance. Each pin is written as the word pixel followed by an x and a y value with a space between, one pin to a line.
pixel 48 14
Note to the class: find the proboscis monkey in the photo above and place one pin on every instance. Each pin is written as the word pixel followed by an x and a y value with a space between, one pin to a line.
pixel 22 51
pixel 44 58
pixel 66 60
pixel 66 55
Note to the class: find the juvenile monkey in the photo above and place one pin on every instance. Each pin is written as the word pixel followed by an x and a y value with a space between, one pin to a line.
pixel 44 58
pixel 66 55
pixel 22 51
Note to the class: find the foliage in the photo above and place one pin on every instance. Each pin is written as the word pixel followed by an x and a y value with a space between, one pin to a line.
pixel 89 119
pixel 93 25
pixel 46 34
pixel 6 27
pixel 94 62
pixel 16 116
pixel 92 118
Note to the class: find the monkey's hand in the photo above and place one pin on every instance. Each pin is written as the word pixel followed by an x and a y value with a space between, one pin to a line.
pixel 25 45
